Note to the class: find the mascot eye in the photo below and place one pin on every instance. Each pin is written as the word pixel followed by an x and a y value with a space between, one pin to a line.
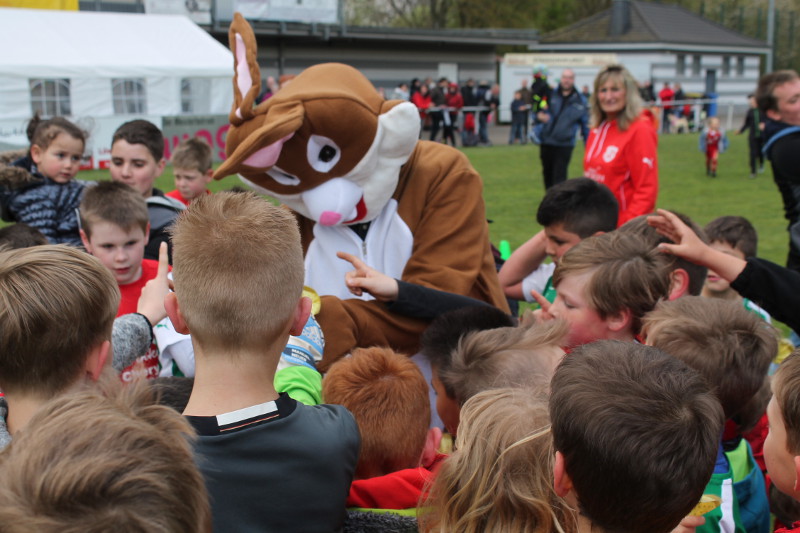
pixel 322 153
pixel 282 177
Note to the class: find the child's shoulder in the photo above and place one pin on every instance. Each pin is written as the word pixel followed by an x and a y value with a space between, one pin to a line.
pixel 149 269
pixel 794 529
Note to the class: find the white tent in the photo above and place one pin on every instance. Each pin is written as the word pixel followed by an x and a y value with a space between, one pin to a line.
pixel 109 64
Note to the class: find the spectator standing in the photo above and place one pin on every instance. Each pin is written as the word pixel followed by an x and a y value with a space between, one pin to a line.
pixel 566 113
pixel 438 99
pixel 666 95
pixel 679 96
pixel 469 93
pixel 454 102
pixel 754 124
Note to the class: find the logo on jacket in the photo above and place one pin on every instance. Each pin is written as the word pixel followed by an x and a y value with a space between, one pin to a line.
pixel 610 154
pixel 648 161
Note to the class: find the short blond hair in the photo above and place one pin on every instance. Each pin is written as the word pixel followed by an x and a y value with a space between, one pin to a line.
pixel 500 478
pixel 56 303
pixel 503 357
pixel 388 396
pixel 113 202
pixel 626 274
pixel 91 462
pixel 785 385
pixel 192 154
pixel 238 270
pixel 633 101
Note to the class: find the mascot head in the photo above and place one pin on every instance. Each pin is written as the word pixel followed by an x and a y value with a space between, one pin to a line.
pixel 327 145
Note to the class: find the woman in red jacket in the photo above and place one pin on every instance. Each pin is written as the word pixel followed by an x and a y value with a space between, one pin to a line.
pixel 422 99
pixel 621 149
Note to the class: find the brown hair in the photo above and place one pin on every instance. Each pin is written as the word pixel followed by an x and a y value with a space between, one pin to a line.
pixel 43 132
pixel 737 232
pixel 633 101
pixel 388 396
pixel 627 274
pixel 639 432
pixel 785 385
pixel 192 154
pixel 142 132
pixel 56 302
pixel 91 462
pixel 238 270
pixel 504 357
pixel 765 92
pixel 729 346
pixel 500 476
pixel 113 202
pixel 697 273
pixel 21 235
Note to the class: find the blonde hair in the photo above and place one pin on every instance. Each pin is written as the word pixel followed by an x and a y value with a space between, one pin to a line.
pixel 503 357
pixel 94 461
pixel 500 476
pixel 192 154
pixel 116 203
pixel 633 101
pixel 56 302
pixel 238 270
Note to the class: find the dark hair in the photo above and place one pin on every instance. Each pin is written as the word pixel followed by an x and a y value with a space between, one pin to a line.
pixel 114 202
pixel 765 92
pixel 639 432
pixel 582 205
pixel 43 132
pixel 21 235
pixel 697 274
pixel 443 334
pixel 735 231
pixel 173 391
pixel 785 384
pixel 142 132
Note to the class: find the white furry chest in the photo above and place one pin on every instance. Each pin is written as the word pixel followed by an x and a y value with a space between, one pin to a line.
pixel 387 248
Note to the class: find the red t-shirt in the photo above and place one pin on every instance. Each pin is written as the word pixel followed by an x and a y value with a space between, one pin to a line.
pixel 398 490
pixel 128 303
pixel 712 140
pixel 178 196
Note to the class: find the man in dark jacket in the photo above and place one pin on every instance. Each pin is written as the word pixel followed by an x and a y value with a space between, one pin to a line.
pixel 566 112
pixel 778 98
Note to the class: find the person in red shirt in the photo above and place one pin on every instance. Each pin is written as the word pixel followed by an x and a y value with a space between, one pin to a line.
pixel 712 142
pixel 621 149
pixel 191 165
pixel 666 95
pixel 114 228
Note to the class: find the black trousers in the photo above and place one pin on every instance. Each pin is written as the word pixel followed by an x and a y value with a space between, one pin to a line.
pixel 555 160
pixel 755 154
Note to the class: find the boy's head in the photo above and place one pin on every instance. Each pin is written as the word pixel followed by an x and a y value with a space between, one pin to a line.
pixel 517 95
pixel 252 302
pixel 523 356
pixel 191 165
pixel 685 277
pixel 574 210
pixel 777 96
pixel 21 235
pixel 713 123
pixel 115 227
pixel 734 236
pixel 57 305
pixel 782 447
pixel 388 396
pixel 728 345
pixel 137 155
pixel 606 284
pixel 90 462
pixel 636 434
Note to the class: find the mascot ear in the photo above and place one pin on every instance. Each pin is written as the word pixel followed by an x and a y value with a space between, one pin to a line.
pixel 247 76
pixel 399 125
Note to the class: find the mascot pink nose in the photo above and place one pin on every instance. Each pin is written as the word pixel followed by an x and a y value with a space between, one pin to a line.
pixel 329 218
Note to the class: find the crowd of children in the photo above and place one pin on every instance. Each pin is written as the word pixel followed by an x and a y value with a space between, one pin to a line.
pixel 634 399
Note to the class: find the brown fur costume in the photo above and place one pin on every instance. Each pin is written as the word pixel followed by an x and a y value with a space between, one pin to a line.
pixel 338 154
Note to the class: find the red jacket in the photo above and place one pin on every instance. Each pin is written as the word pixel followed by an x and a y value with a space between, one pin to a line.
pixel 399 490
pixel 423 102
pixel 626 162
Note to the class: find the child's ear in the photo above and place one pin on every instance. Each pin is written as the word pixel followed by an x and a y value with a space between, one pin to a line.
pixel 619 321
pixel 147 234
pixel 174 313
pixel 85 241
pixel 36 153
pixel 797 474
pixel 431 448
pixel 161 164
pixel 562 484
pixel 209 175
pixel 678 283
pixel 96 359
pixel 300 318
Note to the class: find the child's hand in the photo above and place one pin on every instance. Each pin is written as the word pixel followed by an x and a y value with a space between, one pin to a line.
pixel 687 244
pixel 365 278
pixel 151 301
pixel 689 524
pixel 543 313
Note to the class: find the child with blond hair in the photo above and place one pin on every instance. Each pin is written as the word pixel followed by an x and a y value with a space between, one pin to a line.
pixel 191 165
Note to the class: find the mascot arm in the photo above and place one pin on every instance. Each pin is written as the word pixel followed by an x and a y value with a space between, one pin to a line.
pixel 351 323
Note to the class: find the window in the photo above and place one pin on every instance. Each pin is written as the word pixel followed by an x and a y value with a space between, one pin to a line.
pixel 695 65
pixel 50 98
pixel 740 66
pixel 129 96
pixel 726 66
pixel 680 68
pixel 195 95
